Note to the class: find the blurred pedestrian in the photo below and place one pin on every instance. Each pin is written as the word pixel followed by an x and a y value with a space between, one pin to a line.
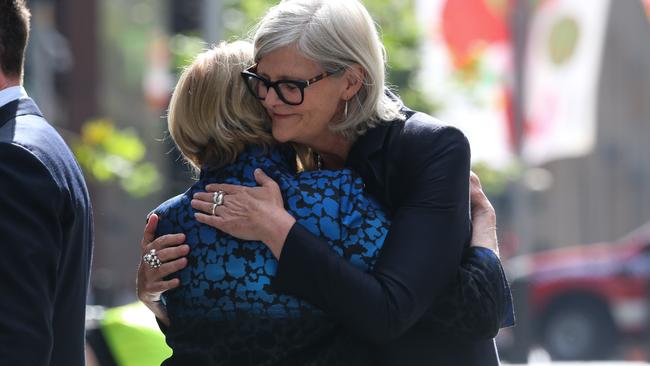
pixel 45 221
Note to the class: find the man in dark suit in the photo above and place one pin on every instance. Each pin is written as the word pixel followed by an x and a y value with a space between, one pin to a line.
pixel 45 221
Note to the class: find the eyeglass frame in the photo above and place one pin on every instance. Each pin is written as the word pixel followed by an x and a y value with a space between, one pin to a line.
pixel 300 84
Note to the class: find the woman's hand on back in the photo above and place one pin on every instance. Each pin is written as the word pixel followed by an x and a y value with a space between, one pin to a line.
pixel 151 283
pixel 484 219
pixel 248 213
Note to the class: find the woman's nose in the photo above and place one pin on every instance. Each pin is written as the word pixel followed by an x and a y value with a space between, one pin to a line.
pixel 272 99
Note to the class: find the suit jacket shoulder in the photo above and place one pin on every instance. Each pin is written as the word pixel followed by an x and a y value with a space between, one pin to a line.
pixel 394 156
pixel 424 137
pixel 46 231
pixel 33 133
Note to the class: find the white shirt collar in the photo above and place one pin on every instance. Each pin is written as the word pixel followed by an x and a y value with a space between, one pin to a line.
pixel 12 93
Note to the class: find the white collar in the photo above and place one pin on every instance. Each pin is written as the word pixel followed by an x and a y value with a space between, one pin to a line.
pixel 12 93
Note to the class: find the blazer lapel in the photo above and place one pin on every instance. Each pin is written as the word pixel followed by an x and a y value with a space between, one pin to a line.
pixel 367 159
pixel 373 157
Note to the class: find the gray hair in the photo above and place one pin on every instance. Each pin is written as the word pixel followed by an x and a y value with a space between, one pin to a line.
pixel 335 34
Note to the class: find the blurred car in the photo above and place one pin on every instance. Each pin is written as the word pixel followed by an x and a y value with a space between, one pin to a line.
pixel 581 302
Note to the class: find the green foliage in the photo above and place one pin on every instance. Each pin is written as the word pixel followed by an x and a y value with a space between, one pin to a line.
pixel 401 35
pixel 242 15
pixel 495 181
pixel 109 154
pixel 126 40
pixel 184 48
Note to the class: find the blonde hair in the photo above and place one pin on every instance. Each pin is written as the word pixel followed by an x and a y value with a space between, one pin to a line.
pixel 212 117
pixel 335 34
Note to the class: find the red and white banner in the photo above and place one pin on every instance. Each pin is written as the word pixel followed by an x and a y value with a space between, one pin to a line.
pixel 467 69
pixel 466 59
pixel 563 66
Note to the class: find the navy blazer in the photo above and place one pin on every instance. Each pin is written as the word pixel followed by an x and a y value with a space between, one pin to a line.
pixel 420 170
pixel 45 242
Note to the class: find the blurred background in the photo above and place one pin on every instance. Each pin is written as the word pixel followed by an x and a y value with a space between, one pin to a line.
pixel 554 96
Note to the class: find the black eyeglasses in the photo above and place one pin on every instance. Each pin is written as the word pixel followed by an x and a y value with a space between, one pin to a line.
pixel 291 92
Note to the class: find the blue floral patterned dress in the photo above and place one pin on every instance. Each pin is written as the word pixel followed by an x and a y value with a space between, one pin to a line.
pixel 225 312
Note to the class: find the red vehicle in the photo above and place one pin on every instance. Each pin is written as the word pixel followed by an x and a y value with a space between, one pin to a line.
pixel 583 302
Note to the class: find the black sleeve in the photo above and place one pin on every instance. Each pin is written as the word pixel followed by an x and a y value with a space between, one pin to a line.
pixel 420 256
pixel 479 303
pixel 30 245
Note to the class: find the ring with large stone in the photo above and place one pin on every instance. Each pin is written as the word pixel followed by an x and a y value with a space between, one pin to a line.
pixel 152 259
pixel 217 197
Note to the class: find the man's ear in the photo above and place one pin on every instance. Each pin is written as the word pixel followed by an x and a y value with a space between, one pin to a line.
pixel 354 76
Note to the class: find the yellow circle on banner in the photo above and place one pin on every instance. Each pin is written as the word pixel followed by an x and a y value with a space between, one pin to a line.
pixel 563 40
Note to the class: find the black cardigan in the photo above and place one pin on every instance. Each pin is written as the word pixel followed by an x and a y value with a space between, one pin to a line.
pixel 420 304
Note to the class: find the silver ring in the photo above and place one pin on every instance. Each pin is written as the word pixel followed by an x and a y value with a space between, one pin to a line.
pixel 152 259
pixel 217 198
pixel 214 207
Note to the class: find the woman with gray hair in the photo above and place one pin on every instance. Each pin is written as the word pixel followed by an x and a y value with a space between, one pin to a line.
pixel 225 313
pixel 319 73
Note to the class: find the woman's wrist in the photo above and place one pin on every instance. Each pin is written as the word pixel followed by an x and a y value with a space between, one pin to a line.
pixel 278 229
pixel 159 311
pixel 484 219
pixel 484 233
pixel 488 242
